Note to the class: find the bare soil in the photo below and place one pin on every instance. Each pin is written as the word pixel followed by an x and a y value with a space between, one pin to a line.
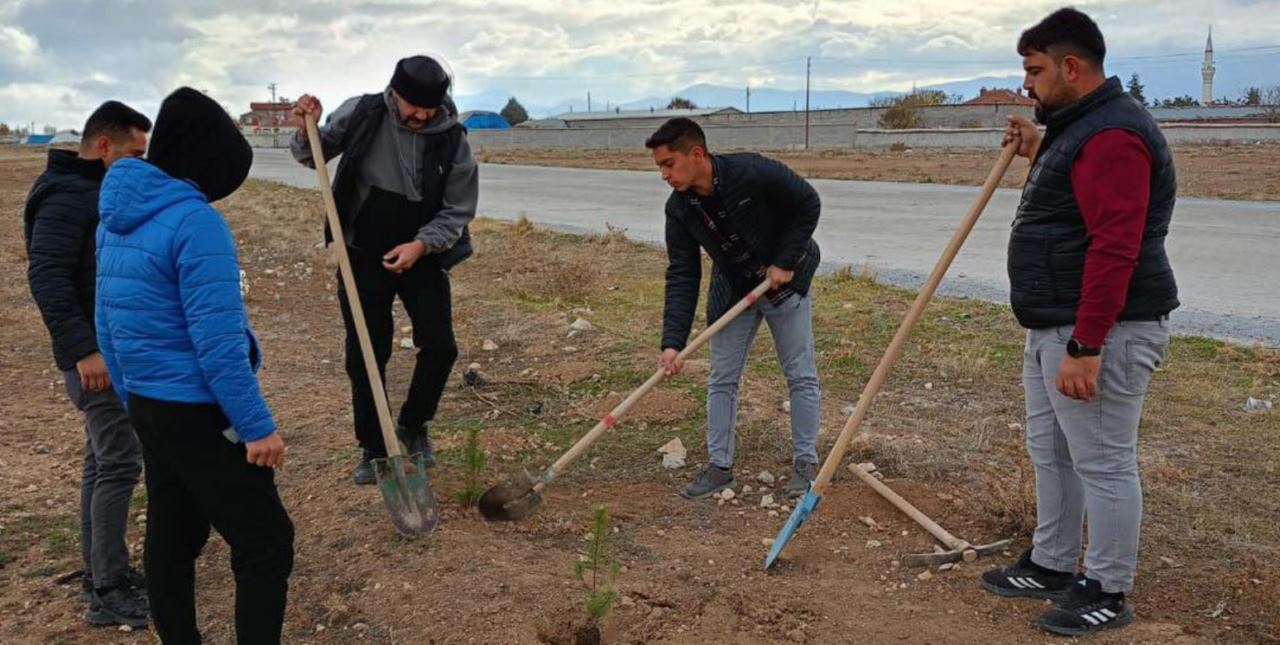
pixel 1217 171
pixel 944 432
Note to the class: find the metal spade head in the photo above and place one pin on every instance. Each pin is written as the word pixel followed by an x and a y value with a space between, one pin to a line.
pixel 798 516
pixel 513 499
pixel 407 494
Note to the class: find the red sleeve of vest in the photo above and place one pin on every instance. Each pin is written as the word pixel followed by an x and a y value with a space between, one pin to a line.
pixel 1111 177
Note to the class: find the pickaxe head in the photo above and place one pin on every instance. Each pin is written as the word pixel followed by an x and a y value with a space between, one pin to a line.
pixel 964 552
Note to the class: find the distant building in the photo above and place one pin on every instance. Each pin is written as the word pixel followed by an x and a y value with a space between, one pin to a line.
pixel 64 138
pixel 1206 71
pixel 267 117
pixel 637 118
pixel 1001 97
pixel 483 120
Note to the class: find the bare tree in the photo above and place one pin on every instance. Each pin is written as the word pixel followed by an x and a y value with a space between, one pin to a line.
pixel 1271 103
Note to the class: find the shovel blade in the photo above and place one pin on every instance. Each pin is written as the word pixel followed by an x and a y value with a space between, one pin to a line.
pixel 407 494
pixel 513 499
pixel 798 516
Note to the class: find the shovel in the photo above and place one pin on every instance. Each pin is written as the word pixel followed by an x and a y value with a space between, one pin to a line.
pixel 819 485
pixel 520 494
pixel 401 479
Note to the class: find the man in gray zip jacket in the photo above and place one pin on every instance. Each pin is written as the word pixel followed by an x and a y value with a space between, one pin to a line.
pixel 406 189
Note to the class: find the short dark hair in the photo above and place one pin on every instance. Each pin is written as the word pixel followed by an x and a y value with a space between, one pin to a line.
pixel 114 119
pixel 680 134
pixel 1065 31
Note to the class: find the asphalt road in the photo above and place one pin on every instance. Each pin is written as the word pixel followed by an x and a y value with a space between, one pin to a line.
pixel 1226 254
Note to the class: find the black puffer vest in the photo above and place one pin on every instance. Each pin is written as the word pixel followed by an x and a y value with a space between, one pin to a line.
pixel 437 163
pixel 1048 244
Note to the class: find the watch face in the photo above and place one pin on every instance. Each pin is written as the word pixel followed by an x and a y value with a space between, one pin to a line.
pixel 1073 348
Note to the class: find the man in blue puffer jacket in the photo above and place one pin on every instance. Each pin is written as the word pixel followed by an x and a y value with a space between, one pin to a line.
pixel 179 348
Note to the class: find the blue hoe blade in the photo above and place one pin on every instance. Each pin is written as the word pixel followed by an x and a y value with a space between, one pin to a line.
pixel 798 516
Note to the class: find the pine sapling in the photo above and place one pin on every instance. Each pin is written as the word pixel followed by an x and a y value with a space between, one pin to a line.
pixel 473 459
pixel 597 569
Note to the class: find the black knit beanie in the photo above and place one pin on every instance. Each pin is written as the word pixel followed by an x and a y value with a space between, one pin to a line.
pixel 421 81
pixel 196 139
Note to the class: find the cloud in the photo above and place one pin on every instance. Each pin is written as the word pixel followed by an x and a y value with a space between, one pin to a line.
pixel 60 58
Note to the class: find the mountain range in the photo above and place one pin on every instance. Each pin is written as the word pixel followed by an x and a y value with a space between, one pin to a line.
pixel 1160 82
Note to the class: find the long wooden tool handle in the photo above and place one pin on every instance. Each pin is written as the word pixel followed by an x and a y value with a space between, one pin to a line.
pixel 353 296
pixel 917 308
pixel 612 418
pixel 908 509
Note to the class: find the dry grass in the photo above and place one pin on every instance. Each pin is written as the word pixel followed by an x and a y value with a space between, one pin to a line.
pixel 946 419
pixel 1243 171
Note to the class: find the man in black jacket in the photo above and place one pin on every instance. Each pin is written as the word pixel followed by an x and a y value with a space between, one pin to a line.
pixel 60 220
pixel 406 189
pixel 755 218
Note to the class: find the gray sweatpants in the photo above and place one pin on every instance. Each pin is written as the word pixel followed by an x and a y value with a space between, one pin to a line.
pixel 112 464
pixel 1085 452
pixel 791 323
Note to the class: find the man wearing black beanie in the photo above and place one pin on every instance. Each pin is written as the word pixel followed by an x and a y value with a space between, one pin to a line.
pixel 406 189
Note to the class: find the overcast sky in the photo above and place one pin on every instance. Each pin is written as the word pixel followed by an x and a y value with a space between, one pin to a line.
pixel 60 58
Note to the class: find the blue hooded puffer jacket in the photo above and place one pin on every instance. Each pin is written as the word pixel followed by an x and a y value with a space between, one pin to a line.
pixel 170 320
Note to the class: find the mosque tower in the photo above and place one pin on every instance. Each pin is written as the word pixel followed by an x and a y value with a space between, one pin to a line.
pixel 1206 71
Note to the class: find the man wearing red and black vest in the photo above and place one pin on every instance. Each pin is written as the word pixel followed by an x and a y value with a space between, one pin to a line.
pixel 1090 280
pixel 406 189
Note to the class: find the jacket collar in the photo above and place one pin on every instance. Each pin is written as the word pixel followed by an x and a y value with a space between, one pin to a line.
pixel 67 162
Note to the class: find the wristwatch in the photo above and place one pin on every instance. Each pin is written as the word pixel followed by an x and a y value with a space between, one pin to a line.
pixel 1076 349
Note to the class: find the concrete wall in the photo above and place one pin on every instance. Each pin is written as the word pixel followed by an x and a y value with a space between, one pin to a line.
pixel 939 116
pixel 827 136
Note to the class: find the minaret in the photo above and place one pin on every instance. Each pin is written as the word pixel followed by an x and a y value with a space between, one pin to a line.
pixel 1206 71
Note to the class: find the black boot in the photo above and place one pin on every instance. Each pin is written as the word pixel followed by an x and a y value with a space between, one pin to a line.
pixel 363 474
pixel 417 441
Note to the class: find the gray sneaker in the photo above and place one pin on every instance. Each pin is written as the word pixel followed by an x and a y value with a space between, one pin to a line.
pixel 802 473
pixel 119 606
pixel 709 481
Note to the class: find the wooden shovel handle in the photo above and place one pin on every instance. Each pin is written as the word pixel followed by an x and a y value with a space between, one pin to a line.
pixel 917 308
pixel 612 418
pixel 353 296
pixel 908 509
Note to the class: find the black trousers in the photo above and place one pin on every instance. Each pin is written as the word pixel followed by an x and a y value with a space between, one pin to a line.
pixel 196 478
pixel 424 291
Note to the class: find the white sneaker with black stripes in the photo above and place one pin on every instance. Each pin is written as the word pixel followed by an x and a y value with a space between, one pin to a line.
pixel 1026 579
pixel 1087 609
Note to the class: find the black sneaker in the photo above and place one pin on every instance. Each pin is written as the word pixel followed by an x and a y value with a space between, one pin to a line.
pixel 1087 609
pixel 1026 579
pixel 802 473
pixel 709 481
pixel 133 579
pixel 363 474
pixel 417 441
pixel 118 606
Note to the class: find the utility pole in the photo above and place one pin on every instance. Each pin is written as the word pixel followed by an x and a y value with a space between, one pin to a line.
pixel 808 62
pixel 272 87
pixel 588 101
pixel 748 99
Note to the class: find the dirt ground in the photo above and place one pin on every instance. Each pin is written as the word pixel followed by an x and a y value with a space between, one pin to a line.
pixel 1218 171
pixel 945 432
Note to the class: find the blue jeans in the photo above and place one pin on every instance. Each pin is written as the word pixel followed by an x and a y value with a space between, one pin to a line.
pixel 791 323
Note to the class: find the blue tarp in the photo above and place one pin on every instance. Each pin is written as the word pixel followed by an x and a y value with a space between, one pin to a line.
pixel 39 140
pixel 479 120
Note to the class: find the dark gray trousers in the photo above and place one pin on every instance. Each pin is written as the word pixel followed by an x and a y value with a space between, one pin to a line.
pixel 112 466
